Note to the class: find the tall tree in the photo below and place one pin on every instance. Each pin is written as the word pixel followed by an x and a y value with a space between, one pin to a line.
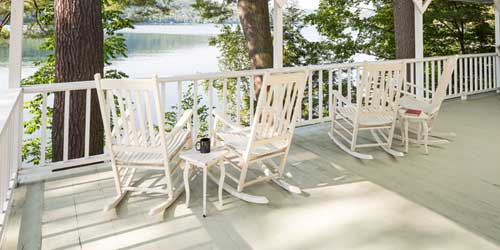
pixel 79 54
pixel 255 22
pixel 404 28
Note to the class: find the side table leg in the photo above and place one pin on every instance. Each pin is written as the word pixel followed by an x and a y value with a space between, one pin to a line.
pixel 205 191
pixel 426 136
pixel 406 137
pixel 221 182
pixel 186 182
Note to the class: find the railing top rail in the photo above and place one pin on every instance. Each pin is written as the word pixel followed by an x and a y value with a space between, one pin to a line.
pixel 8 100
pixel 40 88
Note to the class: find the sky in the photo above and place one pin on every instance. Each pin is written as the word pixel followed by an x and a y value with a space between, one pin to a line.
pixel 308 4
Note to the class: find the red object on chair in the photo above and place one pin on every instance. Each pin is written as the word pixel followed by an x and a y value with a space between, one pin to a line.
pixel 416 112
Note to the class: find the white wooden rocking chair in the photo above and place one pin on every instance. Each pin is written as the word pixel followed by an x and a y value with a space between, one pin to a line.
pixel 375 110
pixel 270 134
pixel 430 104
pixel 136 138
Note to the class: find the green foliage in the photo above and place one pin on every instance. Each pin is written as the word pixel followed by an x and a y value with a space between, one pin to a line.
pixel 114 46
pixel 367 26
pixel 218 11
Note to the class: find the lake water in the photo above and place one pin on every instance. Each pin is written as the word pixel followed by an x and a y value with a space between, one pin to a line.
pixel 164 50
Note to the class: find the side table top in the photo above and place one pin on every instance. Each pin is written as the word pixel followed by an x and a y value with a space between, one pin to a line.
pixel 203 160
pixel 422 116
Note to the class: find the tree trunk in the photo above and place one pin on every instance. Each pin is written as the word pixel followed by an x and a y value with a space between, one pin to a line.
pixel 404 28
pixel 254 19
pixel 79 55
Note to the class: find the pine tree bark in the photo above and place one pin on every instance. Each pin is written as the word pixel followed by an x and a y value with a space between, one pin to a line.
pixel 404 28
pixel 79 55
pixel 255 21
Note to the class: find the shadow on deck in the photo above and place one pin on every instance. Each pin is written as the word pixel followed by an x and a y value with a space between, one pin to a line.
pixel 449 199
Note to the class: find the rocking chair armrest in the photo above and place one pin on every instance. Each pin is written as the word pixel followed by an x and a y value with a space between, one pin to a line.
pixel 185 120
pixel 220 117
pixel 337 95
pixel 420 98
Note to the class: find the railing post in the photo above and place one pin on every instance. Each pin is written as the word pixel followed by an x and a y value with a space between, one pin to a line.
pixel 15 43
pixel 278 33
pixel 419 48
pixel 497 44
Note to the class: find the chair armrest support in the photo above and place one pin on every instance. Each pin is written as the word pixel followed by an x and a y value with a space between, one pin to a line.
pixel 220 117
pixel 337 95
pixel 185 120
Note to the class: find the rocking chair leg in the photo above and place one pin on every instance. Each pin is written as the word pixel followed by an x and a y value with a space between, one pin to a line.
pixel 279 180
pixel 161 208
pixel 347 150
pixel 116 201
pixel 386 148
pixel 240 195
pixel 243 177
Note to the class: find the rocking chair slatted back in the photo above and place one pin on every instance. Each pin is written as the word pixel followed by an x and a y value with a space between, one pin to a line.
pixel 278 107
pixel 443 83
pixel 380 89
pixel 133 116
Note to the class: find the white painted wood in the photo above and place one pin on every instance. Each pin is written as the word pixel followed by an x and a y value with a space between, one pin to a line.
pixel 271 131
pixel 376 108
pixel 320 94
pixel 67 100
pixel 419 43
pixel 179 99
pixel 310 96
pixel 497 43
pixel 204 161
pixel 16 43
pixel 278 33
pixel 43 129
pixel 196 119
pixel 87 122
pixel 130 147
pixel 239 102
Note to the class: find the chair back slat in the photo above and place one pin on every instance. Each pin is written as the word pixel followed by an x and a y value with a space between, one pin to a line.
pixel 444 82
pixel 133 114
pixel 278 106
pixel 380 88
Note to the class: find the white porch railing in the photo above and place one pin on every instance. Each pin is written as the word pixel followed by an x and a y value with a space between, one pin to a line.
pixel 231 93
pixel 10 137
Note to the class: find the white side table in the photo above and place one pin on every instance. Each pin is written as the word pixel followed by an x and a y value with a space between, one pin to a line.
pixel 419 119
pixel 204 161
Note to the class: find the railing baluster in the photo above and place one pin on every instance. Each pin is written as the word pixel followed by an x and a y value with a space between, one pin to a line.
pixel 320 94
pixel 43 129
pixel 238 100
pixel 66 125
pixel 251 89
pixel 469 75
pixel 87 122
pixel 310 98
pixel 330 89
pixel 476 74
pixel 349 84
pixel 179 99
pixel 210 107
pixel 224 97
pixel 481 74
pixel 433 76
pixel 195 109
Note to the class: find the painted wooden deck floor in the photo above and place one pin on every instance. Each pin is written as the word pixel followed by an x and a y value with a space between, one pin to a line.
pixel 449 199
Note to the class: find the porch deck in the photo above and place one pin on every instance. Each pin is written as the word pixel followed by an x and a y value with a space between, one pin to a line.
pixel 449 199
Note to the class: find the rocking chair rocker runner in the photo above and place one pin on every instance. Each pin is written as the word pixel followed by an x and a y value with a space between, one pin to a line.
pixel 270 134
pixel 375 109
pixel 136 138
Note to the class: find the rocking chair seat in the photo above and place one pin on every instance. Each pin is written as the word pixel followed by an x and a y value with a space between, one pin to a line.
pixel 365 121
pixel 155 158
pixel 238 142
pixel 410 102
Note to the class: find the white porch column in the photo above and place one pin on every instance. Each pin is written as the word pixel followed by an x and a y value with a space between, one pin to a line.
pixel 278 33
pixel 419 45
pixel 15 43
pixel 497 43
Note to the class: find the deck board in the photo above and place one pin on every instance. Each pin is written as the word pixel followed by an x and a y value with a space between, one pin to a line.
pixel 449 199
